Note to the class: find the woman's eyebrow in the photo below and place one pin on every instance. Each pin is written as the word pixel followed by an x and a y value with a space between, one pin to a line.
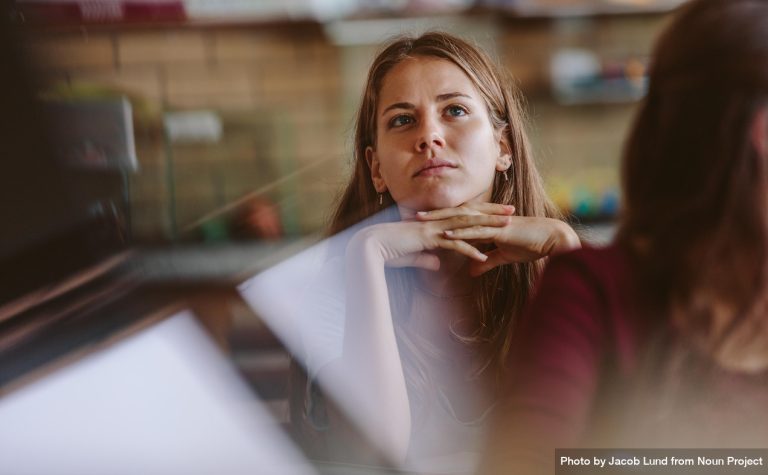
pixel 398 105
pixel 438 98
pixel 451 95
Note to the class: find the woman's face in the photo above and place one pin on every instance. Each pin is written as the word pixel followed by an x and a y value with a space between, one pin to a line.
pixel 435 145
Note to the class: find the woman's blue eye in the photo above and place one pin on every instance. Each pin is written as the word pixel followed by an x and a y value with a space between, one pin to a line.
pixel 400 120
pixel 456 111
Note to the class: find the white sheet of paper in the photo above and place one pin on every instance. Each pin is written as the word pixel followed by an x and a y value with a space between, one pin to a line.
pixel 161 401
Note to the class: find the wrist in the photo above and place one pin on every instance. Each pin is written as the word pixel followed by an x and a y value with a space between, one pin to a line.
pixel 566 238
pixel 365 247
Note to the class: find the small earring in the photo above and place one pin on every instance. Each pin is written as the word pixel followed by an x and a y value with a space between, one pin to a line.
pixel 506 178
pixel 381 199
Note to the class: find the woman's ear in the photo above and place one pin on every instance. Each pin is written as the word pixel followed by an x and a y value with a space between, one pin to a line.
pixel 375 166
pixel 759 132
pixel 504 161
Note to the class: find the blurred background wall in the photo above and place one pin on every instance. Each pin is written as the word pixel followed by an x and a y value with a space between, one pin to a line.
pixel 229 122
pixel 243 112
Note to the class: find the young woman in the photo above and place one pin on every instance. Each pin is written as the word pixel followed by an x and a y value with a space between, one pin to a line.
pixel 450 226
pixel 661 340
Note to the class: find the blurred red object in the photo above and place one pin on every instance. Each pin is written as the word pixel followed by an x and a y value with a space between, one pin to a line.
pixel 259 218
pixel 75 12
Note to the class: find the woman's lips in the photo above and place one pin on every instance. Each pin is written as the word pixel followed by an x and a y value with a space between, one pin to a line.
pixel 432 171
pixel 435 167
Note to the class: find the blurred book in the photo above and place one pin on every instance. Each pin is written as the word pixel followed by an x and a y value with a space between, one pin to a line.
pixel 100 11
pixel 580 76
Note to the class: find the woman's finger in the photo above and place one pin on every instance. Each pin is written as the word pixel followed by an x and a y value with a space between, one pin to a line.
pixel 462 247
pixel 473 233
pixel 466 210
pixel 459 222
pixel 445 213
pixel 495 259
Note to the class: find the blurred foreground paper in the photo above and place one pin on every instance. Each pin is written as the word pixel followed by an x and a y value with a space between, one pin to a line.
pixel 162 401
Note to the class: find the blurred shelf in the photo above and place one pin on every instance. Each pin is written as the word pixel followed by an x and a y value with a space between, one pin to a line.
pixel 617 91
pixel 305 26
pixel 230 262
pixel 64 15
pixel 586 8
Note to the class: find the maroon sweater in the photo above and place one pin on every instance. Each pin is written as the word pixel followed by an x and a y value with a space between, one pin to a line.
pixel 578 375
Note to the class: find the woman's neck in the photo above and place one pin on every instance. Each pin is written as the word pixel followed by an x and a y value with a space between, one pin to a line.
pixel 451 280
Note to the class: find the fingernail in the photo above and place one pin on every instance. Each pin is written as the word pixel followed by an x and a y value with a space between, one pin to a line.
pixel 448 232
pixel 483 257
pixel 421 213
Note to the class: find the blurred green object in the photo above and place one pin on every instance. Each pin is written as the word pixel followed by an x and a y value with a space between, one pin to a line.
pixel 215 230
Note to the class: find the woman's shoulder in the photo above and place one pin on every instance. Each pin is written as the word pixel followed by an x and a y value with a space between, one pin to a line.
pixel 610 256
pixel 608 264
pixel 596 289
pixel 592 286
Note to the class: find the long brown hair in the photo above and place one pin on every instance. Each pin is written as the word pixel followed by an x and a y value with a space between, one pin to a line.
pixel 696 188
pixel 502 292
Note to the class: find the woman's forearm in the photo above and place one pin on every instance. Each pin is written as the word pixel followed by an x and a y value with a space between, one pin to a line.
pixel 371 354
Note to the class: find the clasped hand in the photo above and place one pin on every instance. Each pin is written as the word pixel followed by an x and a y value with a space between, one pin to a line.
pixel 461 229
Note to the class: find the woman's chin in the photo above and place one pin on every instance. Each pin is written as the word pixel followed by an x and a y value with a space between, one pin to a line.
pixel 440 198
pixel 409 208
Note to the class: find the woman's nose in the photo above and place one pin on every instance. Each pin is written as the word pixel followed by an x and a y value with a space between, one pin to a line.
pixel 429 136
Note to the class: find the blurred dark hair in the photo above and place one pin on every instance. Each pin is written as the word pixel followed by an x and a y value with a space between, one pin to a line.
pixel 695 184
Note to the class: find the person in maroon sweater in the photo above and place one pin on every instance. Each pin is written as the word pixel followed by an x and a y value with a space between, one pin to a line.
pixel 661 340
